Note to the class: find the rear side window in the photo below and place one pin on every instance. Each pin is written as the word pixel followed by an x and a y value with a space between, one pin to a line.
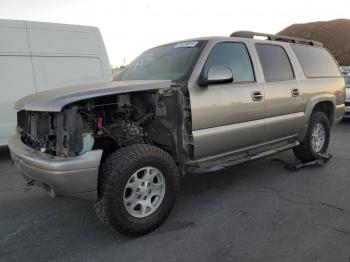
pixel 275 62
pixel 315 61
pixel 235 56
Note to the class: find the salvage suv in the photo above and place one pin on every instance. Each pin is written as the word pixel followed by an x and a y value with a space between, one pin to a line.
pixel 195 106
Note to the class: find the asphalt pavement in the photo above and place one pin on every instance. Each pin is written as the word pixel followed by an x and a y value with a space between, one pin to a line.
pixel 256 211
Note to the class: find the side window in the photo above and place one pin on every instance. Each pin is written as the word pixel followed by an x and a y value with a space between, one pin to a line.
pixel 235 56
pixel 275 62
pixel 316 61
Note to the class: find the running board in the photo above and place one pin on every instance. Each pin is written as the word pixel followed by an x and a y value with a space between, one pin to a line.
pixel 221 164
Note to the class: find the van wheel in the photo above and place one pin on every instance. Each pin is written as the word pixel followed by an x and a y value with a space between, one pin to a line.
pixel 140 184
pixel 316 139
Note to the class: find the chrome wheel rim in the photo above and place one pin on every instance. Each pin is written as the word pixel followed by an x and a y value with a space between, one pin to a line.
pixel 318 137
pixel 144 192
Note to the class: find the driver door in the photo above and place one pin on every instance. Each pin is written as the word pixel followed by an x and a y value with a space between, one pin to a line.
pixel 228 117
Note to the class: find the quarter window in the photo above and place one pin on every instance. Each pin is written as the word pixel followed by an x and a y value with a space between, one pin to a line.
pixel 236 57
pixel 316 61
pixel 275 62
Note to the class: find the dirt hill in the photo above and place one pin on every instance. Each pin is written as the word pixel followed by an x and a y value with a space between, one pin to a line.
pixel 334 34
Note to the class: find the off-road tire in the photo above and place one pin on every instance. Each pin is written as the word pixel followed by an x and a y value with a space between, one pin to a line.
pixel 115 172
pixel 304 151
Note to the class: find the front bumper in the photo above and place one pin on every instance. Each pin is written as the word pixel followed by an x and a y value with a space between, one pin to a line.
pixel 74 176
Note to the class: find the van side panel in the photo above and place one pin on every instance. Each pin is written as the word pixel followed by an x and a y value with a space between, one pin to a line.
pixel 16 73
pixel 67 55
pixel 47 38
pixel 16 80
pixel 55 72
pixel 14 38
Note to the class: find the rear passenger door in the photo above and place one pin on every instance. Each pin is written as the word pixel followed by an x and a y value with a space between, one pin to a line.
pixel 284 103
pixel 227 117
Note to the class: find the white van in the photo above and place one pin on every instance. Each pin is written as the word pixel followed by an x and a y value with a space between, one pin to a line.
pixel 36 56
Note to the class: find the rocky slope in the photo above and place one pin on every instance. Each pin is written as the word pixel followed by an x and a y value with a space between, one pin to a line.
pixel 334 34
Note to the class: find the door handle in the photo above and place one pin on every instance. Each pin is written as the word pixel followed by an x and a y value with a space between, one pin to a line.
pixel 295 92
pixel 257 96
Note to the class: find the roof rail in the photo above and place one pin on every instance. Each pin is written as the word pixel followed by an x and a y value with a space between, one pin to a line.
pixel 281 38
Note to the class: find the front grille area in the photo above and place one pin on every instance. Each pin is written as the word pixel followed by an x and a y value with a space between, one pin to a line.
pixel 37 129
pixel 52 133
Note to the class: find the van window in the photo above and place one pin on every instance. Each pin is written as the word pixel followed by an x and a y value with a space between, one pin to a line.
pixel 236 57
pixel 275 62
pixel 316 61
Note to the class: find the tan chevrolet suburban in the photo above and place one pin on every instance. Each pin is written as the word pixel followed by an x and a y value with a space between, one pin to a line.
pixel 193 106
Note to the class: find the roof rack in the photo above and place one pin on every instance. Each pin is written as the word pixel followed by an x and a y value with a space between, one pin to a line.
pixel 281 38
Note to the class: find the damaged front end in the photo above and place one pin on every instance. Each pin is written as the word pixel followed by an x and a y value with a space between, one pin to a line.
pixel 64 150
pixel 159 118
pixel 54 133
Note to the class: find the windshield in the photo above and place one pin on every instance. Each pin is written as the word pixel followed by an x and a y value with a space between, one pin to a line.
pixel 169 62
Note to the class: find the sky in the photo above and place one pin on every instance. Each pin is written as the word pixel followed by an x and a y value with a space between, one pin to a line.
pixel 131 26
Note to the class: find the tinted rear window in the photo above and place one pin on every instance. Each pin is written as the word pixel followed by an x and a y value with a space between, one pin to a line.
pixel 316 61
pixel 275 62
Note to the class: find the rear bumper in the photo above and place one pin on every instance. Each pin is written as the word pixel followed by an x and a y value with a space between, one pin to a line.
pixel 75 176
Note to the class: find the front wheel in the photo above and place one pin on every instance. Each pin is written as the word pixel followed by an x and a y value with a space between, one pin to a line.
pixel 138 188
pixel 316 139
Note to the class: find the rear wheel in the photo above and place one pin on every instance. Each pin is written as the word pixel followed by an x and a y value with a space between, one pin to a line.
pixel 316 139
pixel 140 183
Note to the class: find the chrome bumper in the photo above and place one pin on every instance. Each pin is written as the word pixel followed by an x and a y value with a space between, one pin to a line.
pixel 75 176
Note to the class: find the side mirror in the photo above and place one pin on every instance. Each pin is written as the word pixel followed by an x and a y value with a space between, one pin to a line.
pixel 216 75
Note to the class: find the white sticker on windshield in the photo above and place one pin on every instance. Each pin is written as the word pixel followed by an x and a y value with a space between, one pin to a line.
pixel 186 44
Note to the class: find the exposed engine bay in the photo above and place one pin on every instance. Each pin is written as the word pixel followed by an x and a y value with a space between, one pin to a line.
pixel 160 118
